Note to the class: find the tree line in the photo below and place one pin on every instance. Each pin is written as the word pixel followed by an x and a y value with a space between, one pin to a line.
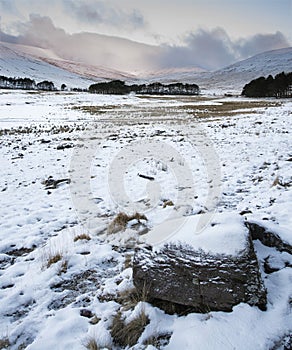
pixel 280 86
pixel 25 84
pixel 119 87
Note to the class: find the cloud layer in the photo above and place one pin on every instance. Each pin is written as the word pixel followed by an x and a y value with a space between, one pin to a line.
pixel 207 49
pixel 99 12
pixel 213 49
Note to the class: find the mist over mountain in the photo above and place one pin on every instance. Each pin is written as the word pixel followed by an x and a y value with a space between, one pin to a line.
pixel 204 49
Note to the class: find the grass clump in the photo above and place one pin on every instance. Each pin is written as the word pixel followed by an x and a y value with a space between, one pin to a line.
pixel 82 236
pixel 53 259
pixel 129 298
pixel 120 222
pixel 127 334
pixel 168 203
pixel 4 343
pixel 158 341
pixel 91 344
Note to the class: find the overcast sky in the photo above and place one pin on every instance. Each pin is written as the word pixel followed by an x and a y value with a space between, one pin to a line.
pixel 226 29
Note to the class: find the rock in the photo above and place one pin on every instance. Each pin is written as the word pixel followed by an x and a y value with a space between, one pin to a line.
pixel 64 146
pixel 267 237
pixel 201 272
pixel 50 183
pixel 86 313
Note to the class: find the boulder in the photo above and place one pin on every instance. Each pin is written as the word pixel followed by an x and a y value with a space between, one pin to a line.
pixel 213 270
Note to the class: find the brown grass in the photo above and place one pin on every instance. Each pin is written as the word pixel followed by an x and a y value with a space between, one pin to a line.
pixel 53 259
pixel 127 334
pixel 119 223
pixel 225 108
pixel 4 343
pixel 91 344
pixel 168 203
pixel 158 341
pixel 64 267
pixel 128 261
pixel 82 236
pixel 129 298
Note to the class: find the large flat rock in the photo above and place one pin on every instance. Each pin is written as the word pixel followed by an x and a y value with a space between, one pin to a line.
pixel 213 269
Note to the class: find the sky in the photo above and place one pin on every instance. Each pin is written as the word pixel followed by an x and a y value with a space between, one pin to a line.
pixel 208 34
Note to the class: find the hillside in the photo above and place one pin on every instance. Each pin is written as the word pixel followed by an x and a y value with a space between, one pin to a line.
pixel 14 63
pixel 40 64
pixel 240 73
pixel 235 76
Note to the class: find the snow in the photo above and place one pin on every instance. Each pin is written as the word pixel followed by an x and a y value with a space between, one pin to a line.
pixel 237 74
pixel 221 165
pixel 39 64
pixel 15 63
pixel 224 233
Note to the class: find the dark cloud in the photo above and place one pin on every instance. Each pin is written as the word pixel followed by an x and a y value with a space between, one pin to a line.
pixel 101 13
pixel 260 43
pixel 213 49
pixel 206 49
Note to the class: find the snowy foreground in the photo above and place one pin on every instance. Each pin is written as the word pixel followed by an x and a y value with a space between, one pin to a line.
pixel 71 162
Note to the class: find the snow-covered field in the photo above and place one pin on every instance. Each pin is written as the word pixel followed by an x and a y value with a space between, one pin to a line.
pixel 70 162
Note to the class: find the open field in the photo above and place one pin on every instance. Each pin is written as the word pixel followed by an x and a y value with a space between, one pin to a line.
pixel 71 162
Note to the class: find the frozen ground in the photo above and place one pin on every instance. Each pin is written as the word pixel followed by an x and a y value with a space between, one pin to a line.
pixel 59 289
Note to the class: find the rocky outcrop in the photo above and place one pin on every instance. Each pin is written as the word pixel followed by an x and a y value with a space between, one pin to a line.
pixel 267 237
pixel 185 275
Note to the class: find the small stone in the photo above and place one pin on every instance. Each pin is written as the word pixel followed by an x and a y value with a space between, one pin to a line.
pixel 94 320
pixel 86 313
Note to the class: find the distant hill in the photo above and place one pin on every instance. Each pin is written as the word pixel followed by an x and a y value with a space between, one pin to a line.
pixel 233 77
pixel 237 75
pixel 14 63
pixel 40 64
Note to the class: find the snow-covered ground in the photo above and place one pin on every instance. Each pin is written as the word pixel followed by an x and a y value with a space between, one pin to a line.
pixel 71 161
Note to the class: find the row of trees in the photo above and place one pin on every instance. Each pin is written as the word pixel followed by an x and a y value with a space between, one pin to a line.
pixel 280 86
pixel 119 87
pixel 25 84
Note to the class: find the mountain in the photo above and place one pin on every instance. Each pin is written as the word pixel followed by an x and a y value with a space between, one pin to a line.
pixel 15 63
pixel 41 64
pixel 235 76
pixel 232 78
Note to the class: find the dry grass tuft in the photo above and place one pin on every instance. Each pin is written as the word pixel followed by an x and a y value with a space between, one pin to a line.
pixel 64 267
pixel 120 221
pixel 127 334
pixel 82 236
pixel 91 344
pixel 168 203
pixel 129 298
pixel 4 343
pixel 128 261
pixel 158 341
pixel 53 259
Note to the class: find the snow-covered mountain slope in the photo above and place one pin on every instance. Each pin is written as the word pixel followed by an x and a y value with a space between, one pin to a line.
pixel 235 76
pixel 40 64
pixel 14 63
pixel 83 69
pixel 240 73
